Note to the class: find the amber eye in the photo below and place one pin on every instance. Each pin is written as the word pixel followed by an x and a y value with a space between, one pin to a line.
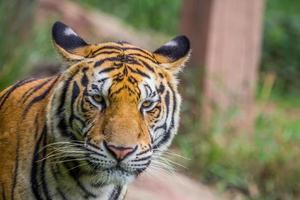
pixel 98 100
pixel 147 105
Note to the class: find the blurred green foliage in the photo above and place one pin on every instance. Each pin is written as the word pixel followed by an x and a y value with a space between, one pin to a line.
pixel 15 34
pixel 281 49
pixel 267 167
pixel 159 15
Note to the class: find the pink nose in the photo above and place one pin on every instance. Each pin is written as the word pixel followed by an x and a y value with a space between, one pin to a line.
pixel 119 152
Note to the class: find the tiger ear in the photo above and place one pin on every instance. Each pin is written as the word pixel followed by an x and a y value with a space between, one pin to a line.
pixel 174 54
pixel 68 43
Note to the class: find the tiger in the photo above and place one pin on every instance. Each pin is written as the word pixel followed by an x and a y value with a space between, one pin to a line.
pixel 92 129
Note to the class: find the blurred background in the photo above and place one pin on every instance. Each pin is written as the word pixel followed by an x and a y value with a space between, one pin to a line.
pixel 239 136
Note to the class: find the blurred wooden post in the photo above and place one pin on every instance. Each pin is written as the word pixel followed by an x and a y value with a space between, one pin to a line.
pixel 229 35
pixel 195 16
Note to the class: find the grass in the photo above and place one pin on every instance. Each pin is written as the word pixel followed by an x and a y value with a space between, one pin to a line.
pixel 265 167
pixel 269 163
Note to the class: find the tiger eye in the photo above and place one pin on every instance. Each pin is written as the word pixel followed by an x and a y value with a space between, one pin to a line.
pixel 98 98
pixel 147 104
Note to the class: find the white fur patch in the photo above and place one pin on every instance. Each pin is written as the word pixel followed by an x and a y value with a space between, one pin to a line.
pixel 172 43
pixel 68 31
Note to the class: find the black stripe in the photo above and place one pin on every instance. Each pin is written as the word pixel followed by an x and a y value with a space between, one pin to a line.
pixel 40 97
pixel 147 66
pixel 111 94
pixel 108 69
pixel 75 94
pixel 137 49
pixel 144 57
pixel 119 58
pixel 43 172
pixel 15 174
pixel 100 62
pixel 84 79
pixel 62 126
pixel 142 159
pixel 61 109
pixel 137 71
pixel 115 193
pixel 161 88
pixel 5 96
pixel 74 172
pixel 164 126
pixel 174 106
pixel 105 47
pixel 35 186
pixel 168 132
pixel 64 95
pixel 32 90
pixel 28 91
pixel 148 90
pixel 3 192
pixel 107 52
pixel 82 105
pixel 61 194
pixel 143 152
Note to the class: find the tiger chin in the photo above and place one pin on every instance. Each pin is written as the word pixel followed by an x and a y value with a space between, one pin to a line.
pixel 89 131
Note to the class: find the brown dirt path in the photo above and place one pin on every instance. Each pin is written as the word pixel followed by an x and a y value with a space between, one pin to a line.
pixel 169 187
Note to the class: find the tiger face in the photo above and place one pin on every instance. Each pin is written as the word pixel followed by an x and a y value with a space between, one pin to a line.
pixel 117 107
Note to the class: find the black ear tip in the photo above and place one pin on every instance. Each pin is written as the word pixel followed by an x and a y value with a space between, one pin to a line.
pixel 65 37
pixel 57 28
pixel 58 23
pixel 182 38
pixel 177 48
pixel 183 42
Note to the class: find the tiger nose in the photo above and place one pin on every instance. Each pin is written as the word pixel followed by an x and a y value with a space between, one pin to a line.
pixel 120 152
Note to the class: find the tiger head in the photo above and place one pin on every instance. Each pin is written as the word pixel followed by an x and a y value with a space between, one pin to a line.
pixel 117 106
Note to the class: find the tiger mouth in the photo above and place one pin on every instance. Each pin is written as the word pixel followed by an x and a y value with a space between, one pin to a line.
pixel 119 176
pixel 120 170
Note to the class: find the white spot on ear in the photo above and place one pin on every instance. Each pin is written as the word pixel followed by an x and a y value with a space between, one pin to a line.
pixel 68 31
pixel 172 43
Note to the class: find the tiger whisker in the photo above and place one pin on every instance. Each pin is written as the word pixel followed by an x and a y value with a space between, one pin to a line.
pixel 170 153
pixel 157 169
pixel 171 162
pixel 163 166
pixel 80 165
pixel 63 144
pixel 61 154
pixel 68 160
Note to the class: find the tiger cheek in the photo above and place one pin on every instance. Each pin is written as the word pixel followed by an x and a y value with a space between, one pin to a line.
pixel 96 136
pixel 144 138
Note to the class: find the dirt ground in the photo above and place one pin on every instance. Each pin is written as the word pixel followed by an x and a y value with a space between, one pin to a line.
pixel 163 186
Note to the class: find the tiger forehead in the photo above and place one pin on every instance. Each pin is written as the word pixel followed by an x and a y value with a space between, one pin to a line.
pixel 123 59
pixel 121 48
pixel 122 76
